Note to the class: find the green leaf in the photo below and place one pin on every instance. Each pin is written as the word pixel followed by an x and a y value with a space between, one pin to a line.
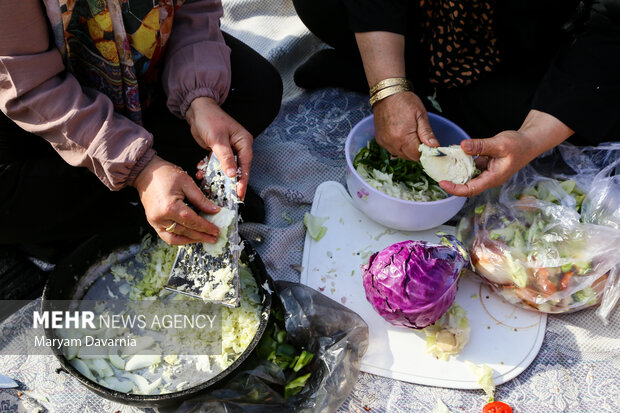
pixel 294 386
pixel 281 336
pixel 302 360
pixel 484 377
pixel 265 347
pixel 280 360
pixel 518 241
pixel 587 295
pixel 277 312
pixel 516 270
pixel 568 185
pixel 402 170
pixel 506 234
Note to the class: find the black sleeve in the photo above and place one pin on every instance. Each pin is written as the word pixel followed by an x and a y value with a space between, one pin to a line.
pixel 377 15
pixel 582 86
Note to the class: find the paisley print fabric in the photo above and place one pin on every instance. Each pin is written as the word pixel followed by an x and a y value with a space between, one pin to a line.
pixel 114 46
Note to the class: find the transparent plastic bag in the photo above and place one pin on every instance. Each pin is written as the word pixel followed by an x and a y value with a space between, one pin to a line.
pixel 549 238
pixel 337 336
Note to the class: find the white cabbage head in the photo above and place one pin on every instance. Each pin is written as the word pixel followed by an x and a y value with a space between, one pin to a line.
pixel 447 163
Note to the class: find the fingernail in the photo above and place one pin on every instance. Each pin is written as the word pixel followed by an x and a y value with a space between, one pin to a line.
pixel 231 172
pixel 433 141
pixel 467 145
pixel 214 208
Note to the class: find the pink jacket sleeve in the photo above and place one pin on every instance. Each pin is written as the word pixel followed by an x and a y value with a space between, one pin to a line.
pixel 38 94
pixel 197 60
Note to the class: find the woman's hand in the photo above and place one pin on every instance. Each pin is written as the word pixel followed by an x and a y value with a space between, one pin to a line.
pixel 503 155
pixel 499 158
pixel 215 130
pixel 401 121
pixel 401 125
pixel 163 189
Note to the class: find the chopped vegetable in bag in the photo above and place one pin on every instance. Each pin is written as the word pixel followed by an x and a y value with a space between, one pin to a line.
pixel 548 241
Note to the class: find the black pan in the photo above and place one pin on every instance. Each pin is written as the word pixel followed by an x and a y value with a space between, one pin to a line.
pixel 63 285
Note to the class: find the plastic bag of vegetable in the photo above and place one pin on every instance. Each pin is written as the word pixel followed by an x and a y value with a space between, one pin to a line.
pixel 280 378
pixel 413 283
pixel 548 238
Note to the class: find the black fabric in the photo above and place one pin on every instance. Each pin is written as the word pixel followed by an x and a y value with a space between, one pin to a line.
pixel 48 205
pixel 377 15
pixel 558 56
pixel 19 280
pixel 346 72
pixel 328 20
pixel 582 85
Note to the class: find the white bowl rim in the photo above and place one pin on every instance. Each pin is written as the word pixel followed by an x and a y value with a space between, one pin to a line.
pixel 374 190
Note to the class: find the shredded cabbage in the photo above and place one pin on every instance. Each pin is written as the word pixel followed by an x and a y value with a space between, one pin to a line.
pixel 314 225
pixel 239 326
pixel 421 191
pixel 484 376
pixel 448 335
pixel 157 257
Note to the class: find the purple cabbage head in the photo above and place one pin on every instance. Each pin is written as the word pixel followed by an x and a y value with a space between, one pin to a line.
pixel 413 283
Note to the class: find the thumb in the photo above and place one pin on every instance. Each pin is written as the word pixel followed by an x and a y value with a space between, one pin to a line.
pixel 197 198
pixel 226 157
pixel 477 147
pixel 425 132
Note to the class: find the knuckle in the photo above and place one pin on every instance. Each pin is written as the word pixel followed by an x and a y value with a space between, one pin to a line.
pixel 167 210
pixel 227 156
pixel 425 131
pixel 184 215
pixel 243 138
pixel 478 146
pixel 470 191
pixel 501 147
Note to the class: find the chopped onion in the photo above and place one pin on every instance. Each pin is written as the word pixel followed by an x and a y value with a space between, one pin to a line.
pixel 142 343
pixel 80 366
pixel 99 367
pixel 116 384
pixel 116 360
pixel 140 361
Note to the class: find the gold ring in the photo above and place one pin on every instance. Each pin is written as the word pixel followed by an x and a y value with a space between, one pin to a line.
pixel 171 227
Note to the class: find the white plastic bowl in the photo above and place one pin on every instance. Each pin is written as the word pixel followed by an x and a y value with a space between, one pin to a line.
pixel 394 212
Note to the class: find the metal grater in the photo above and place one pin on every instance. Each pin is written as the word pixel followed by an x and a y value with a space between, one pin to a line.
pixel 194 272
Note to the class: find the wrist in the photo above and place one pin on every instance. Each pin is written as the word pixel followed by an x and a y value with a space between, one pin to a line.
pixel 544 131
pixel 197 106
pixel 383 55
pixel 146 174
pixel 388 87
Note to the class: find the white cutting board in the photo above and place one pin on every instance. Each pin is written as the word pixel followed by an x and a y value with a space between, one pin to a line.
pixel 503 336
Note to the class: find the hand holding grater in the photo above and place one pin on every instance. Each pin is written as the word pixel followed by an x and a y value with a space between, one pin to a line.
pixel 211 271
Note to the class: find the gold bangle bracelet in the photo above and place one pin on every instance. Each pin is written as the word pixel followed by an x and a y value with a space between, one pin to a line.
pixel 388 91
pixel 391 81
